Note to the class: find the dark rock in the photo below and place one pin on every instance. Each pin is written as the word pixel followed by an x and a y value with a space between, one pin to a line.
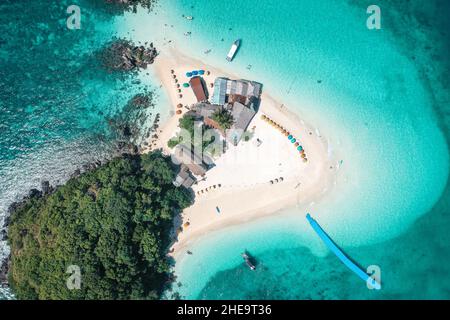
pixel 8 219
pixel 76 173
pixel 123 55
pixel 3 235
pixel 4 267
pixel 34 193
pixel 126 131
pixel 46 188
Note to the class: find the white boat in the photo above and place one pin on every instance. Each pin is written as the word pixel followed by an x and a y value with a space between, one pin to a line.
pixel 233 50
pixel 189 17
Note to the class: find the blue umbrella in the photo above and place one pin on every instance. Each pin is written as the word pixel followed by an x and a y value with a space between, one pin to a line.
pixel 194 73
pixel 293 140
pixel 299 148
pixel 290 137
pixel 188 74
pixel 201 72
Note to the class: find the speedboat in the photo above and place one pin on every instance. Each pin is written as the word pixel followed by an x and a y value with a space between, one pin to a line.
pixel 233 50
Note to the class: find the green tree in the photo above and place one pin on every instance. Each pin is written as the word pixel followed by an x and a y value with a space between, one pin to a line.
pixel 223 117
pixel 113 222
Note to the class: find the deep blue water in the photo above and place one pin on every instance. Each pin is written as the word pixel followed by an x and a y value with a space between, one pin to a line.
pixel 55 103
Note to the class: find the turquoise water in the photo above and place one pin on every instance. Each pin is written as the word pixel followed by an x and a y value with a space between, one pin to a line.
pixel 55 99
pixel 382 103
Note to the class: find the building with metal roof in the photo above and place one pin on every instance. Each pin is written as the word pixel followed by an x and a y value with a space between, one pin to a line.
pixel 242 91
pixel 242 116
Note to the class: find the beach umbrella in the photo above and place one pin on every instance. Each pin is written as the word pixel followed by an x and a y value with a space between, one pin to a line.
pixel 303 155
pixel 276 180
pixel 172 71
pixel 194 73
pixel 178 85
pixel 271 181
pixel 176 80
pixel 186 85
pixel 281 178
pixel 297 144
pixel 179 105
pixel 263 117
pixel 180 96
pixel 179 90
pixel 179 111
pixel 201 72
pixel 186 224
pixel 304 159
pixel 290 137
pixel 208 73
pixel 299 148
pixel 188 74
pixel 174 76
pixel 293 140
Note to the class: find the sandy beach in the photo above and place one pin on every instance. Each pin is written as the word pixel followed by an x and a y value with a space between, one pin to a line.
pixel 239 185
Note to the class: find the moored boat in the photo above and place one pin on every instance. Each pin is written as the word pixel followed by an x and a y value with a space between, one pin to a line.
pixel 248 260
pixel 233 50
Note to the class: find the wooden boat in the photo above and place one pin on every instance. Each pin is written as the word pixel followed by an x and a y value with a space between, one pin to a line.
pixel 233 50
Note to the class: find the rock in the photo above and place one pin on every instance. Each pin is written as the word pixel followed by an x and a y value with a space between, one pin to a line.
pixel 126 131
pixel 3 235
pixel 4 267
pixel 34 193
pixel 8 218
pixel 46 188
pixel 125 56
pixel 76 173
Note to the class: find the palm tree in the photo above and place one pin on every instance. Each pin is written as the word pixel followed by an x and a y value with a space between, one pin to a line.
pixel 223 117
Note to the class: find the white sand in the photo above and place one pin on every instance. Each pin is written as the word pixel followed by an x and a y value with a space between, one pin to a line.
pixel 244 171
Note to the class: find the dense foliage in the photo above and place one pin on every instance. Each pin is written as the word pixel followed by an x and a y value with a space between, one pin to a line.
pixel 224 118
pixel 188 123
pixel 113 222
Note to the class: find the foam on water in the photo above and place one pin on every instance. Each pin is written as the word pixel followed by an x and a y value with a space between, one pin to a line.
pixel 371 104
pixel 55 98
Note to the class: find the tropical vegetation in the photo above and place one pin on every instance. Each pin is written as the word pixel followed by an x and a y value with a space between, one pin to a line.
pixel 223 117
pixel 113 223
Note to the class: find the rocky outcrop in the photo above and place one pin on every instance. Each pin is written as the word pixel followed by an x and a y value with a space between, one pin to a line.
pixel 131 5
pixel 123 55
pixel 4 267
